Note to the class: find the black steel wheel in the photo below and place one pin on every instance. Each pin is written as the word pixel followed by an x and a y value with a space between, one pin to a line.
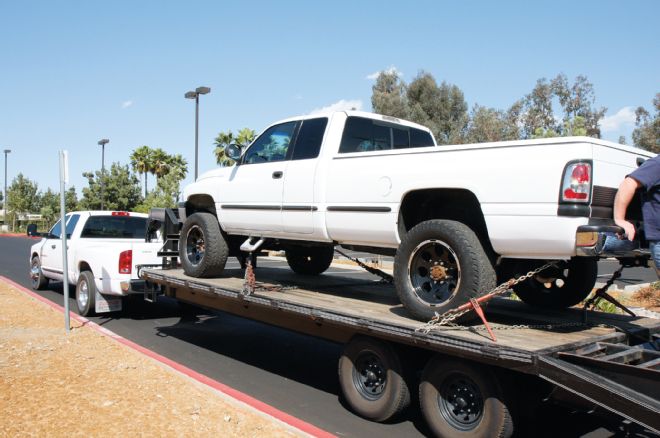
pixel 202 247
pixel 440 265
pixel 371 379
pixel 37 278
pixel 462 399
pixel 556 287
pixel 309 260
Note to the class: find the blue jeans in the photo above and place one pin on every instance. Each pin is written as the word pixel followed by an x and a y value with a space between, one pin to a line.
pixel 654 246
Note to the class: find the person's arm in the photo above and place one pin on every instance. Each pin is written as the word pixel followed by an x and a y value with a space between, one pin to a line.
pixel 622 200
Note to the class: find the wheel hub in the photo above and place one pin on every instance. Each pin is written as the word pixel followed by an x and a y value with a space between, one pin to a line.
pixel 438 273
pixel 369 376
pixel 434 272
pixel 460 402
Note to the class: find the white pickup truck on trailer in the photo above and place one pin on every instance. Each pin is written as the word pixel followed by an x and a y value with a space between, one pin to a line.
pixel 104 250
pixel 456 217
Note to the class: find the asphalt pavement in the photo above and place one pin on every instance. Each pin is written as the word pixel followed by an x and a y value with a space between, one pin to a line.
pixel 295 373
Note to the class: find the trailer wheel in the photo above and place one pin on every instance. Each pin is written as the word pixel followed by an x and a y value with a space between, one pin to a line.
pixel 203 249
pixel 86 294
pixel 311 260
pixel 556 288
pixel 371 379
pixel 37 278
pixel 461 399
pixel 440 265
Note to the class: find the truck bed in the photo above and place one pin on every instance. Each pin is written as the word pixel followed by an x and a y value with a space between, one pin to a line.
pixel 336 307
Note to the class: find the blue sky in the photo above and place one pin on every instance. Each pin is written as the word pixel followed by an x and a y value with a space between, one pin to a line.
pixel 73 72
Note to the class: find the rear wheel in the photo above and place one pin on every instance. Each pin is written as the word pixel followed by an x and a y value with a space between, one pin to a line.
pixel 556 287
pixel 37 278
pixel 311 260
pixel 86 294
pixel 203 249
pixel 371 379
pixel 440 265
pixel 462 399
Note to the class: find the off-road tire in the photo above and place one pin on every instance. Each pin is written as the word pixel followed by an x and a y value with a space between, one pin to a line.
pixel 38 281
pixel 570 284
pixel 86 285
pixel 312 260
pixel 203 250
pixel 375 405
pixel 444 381
pixel 475 274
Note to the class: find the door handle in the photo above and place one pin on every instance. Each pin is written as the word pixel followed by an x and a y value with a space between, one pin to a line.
pixel 277 174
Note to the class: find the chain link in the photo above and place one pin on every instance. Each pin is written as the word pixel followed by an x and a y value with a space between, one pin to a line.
pixel 385 277
pixel 448 318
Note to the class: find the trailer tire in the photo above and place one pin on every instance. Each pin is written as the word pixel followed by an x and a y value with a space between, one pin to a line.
pixel 203 249
pixel 86 294
pixel 449 387
pixel 37 278
pixel 312 260
pixel 440 265
pixel 371 379
pixel 556 288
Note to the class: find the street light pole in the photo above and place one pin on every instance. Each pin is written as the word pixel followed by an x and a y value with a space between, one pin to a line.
pixel 102 143
pixel 4 200
pixel 195 95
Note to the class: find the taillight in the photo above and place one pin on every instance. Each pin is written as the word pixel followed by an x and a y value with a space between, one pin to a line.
pixel 576 186
pixel 126 262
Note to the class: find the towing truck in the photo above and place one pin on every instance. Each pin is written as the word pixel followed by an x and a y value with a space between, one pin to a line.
pixel 470 382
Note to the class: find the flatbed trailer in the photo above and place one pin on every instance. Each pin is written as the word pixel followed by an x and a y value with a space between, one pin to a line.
pixel 469 383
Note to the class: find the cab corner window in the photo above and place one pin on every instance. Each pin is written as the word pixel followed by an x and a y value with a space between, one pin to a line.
pixel 272 145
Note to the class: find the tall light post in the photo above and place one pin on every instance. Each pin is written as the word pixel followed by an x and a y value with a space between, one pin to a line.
pixel 4 200
pixel 102 143
pixel 195 95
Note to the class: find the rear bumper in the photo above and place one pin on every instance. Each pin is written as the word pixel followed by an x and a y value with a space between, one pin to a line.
pixel 126 287
pixel 601 241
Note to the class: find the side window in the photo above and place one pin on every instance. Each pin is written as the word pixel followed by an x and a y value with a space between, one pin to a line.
pixel 272 145
pixel 400 138
pixel 381 137
pixel 309 139
pixel 420 138
pixel 357 136
pixel 71 222
pixel 56 231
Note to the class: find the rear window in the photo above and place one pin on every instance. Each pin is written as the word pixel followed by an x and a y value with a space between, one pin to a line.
pixel 367 135
pixel 115 227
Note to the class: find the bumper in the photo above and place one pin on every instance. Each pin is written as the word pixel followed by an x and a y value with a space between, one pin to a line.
pixel 123 288
pixel 602 241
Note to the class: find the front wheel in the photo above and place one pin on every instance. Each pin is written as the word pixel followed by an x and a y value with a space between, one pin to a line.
pixel 556 287
pixel 461 399
pixel 37 278
pixel 86 294
pixel 440 265
pixel 203 249
pixel 371 379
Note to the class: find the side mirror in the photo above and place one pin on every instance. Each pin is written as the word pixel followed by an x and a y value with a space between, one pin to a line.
pixel 234 152
pixel 32 230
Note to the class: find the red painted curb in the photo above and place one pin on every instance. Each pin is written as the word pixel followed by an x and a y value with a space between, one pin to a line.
pixel 231 392
pixel 24 236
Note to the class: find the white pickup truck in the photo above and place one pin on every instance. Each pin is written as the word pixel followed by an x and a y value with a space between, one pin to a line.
pixel 456 217
pixel 104 249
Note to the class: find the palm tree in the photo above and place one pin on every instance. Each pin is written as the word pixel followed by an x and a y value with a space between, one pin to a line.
pixel 142 162
pixel 160 164
pixel 245 136
pixel 178 166
pixel 223 140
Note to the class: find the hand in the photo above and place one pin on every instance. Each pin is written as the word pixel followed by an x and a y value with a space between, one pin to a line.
pixel 628 228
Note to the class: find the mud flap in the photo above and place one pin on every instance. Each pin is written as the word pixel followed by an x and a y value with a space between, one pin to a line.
pixel 107 303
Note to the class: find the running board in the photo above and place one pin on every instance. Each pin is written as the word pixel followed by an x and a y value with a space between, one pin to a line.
pixel 621 399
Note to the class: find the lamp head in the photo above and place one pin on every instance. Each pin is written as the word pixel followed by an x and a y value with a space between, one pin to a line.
pixel 203 90
pixel 190 95
pixel 103 141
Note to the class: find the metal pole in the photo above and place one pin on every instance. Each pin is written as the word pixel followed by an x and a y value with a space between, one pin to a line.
pixel 5 198
pixel 65 261
pixel 196 132
pixel 102 175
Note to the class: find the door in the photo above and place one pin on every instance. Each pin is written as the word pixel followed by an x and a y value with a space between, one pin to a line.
pixel 298 199
pixel 51 252
pixel 252 194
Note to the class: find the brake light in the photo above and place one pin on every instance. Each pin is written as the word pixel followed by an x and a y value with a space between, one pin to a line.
pixel 576 186
pixel 126 262
pixel 120 213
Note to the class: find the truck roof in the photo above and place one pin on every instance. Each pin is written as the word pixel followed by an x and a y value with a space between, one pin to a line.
pixel 355 113
pixel 108 213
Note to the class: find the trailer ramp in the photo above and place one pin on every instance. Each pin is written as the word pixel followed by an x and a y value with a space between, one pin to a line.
pixel 621 378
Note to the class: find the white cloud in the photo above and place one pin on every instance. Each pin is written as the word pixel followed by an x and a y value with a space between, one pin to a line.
pixel 126 104
pixel 390 70
pixel 342 105
pixel 624 118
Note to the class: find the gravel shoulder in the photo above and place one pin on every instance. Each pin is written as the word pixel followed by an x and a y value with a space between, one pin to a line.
pixel 86 384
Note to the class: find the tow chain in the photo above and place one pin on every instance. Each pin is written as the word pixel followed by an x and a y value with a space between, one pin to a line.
pixel 385 277
pixel 447 319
